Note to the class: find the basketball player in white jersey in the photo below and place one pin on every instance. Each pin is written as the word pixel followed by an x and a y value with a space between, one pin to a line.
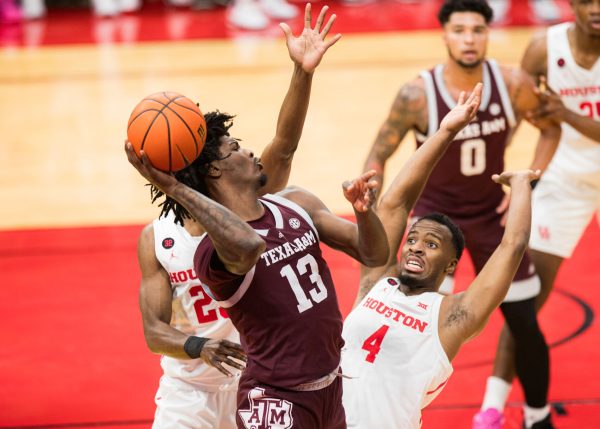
pixel 459 186
pixel 403 334
pixel 566 60
pixel 201 357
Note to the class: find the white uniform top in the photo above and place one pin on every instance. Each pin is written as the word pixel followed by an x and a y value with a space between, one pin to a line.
pixel 394 357
pixel 577 156
pixel 194 312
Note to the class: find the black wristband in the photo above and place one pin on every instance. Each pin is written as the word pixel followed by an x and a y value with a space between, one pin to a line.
pixel 534 183
pixel 193 346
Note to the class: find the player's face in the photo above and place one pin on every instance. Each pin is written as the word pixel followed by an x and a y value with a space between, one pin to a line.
pixel 239 163
pixel 587 16
pixel 427 256
pixel 466 37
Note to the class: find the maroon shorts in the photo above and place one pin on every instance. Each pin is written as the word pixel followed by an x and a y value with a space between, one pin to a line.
pixel 260 406
pixel 482 236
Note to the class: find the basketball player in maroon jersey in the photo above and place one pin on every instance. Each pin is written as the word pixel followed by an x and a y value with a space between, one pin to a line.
pixel 192 392
pixel 459 184
pixel 262 261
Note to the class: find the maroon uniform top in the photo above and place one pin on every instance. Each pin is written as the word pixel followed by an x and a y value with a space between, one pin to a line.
pixel 460 185
pixel 285 307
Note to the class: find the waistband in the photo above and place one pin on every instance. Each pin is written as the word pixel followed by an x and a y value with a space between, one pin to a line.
pixel 319 383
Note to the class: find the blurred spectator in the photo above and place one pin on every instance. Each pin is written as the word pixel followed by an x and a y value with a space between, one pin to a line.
pixel 9 12
pixel 256 14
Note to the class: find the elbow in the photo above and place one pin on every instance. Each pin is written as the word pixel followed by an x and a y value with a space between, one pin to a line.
pixel 517 242
pixel 152 341
pixel 378 260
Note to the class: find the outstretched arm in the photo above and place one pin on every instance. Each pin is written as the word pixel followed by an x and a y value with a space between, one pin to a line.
pixel 364 240
pixel 408 110
pixel 398 201
pixel 306 51
pixel 155 304
pixel 238 246
pixel 464 315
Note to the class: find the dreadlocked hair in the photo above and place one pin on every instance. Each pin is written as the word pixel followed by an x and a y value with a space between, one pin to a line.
pixel 217 126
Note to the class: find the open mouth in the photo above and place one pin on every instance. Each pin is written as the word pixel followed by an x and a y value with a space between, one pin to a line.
pixel 414 265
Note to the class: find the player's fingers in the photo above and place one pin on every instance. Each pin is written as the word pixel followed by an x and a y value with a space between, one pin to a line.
pixel 348 186
pixel 328 25
pixel 332 41
pixel 321 18
pixel 228 352
pixel 368 174
pixel 287 31
pixel 222 369
pixel 461 98
pixel 307 16
pixel 234 364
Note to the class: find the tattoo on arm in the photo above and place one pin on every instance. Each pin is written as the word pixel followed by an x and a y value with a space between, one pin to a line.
pixel 407 112
pixel 457 316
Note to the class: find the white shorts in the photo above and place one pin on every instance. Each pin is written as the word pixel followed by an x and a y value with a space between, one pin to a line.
pixel 561 211
pixel 180 405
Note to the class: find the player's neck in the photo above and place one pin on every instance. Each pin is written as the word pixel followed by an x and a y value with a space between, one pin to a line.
pixel 245 205
pixel 416 290
pixel 459 78
pixel 583 44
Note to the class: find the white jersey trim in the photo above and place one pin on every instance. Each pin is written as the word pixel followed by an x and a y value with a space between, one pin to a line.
pixel 292 205
pixel 431 104
pixel 235 298
pixel 451 102
pixel 504 97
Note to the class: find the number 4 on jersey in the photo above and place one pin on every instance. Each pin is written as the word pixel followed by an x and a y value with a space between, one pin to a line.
pixel 373 343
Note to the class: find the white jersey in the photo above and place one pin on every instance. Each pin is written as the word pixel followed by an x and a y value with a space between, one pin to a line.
pixel 393 357
pixel 577 156
pixel 194 312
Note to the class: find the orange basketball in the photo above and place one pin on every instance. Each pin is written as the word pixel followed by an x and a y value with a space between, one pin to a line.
pixel 170 128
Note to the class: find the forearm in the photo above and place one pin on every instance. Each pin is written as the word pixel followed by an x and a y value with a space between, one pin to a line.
pixel 373 248
pixel 165 340
pixel 278 155
pixel 387 141
pixel 293 112
pixel 518 223
pixel 236 243
pixel 410 181
pixel 545 148
pixel 585 125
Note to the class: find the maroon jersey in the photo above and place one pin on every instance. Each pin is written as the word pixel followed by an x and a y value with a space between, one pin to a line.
pixel 460 185
pixel 285 307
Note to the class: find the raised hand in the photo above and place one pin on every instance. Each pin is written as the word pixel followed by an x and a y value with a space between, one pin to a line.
pixel 218 352
pixel 509 178
pixel 361 191
pixel 163 181
pixel 308 48
pixel 464 111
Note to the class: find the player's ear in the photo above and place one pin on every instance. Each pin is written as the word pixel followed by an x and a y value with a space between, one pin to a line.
pixel 213 172
pixel 451 266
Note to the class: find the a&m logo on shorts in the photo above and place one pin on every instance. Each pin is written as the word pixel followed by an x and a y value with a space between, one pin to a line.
pixel 265 412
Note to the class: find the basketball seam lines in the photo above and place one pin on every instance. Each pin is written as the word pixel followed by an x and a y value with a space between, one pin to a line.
pixel 179 116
